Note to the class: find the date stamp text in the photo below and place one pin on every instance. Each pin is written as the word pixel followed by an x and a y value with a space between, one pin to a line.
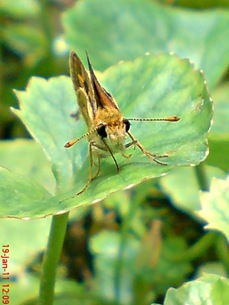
pixel 5 274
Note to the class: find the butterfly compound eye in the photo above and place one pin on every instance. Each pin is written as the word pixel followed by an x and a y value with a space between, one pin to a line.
pixel 127 124
pixel 102 131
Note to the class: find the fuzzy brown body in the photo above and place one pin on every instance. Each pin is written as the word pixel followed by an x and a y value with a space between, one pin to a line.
pixel 107 129
pixel 115 130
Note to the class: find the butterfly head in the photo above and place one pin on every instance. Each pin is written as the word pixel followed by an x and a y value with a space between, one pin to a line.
pixel 113 130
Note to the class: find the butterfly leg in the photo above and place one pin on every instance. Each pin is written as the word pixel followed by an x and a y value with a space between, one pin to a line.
pixel 98 170
pixel 90 170
pixel 145 152
pixel 128 145
pixel 112 155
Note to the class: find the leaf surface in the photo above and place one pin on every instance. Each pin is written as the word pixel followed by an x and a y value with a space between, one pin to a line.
pixel 207 290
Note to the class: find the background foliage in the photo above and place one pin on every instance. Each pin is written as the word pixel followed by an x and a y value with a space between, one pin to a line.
pixel 137 244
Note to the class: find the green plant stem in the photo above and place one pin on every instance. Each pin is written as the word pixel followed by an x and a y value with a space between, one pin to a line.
pixel 194 251
pixel 51 259
pixel 201 176
pixel 45 21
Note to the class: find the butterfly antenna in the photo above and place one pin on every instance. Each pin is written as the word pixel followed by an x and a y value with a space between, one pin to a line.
pixel 72 142
pixel 173 118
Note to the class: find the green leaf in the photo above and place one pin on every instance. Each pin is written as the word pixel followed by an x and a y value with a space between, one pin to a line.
pixel 46 108
pixel 214 206
pixel 19 194
pixel 186 199
pixel 25 157
pixel 125 29
pixel 207 290
pixel 167 86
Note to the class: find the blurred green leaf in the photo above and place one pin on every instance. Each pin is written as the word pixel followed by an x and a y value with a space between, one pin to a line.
pixel 19 8
pixel 211 268
pixel 25 39
pixel 167 273
pixel 219 152
pixel 105 247
pixel 207 290
pixel 221 111
pixel 219 135
pixel 168 86
pixel 146 270
pixel 200 3
pixel 34 239
pixel 214 206
pixel 125 29
pixel 186 199
pixel 25 291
